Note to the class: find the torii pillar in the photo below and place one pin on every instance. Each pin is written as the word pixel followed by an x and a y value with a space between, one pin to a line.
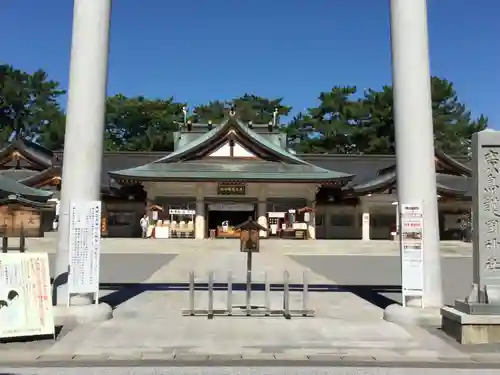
pixel 83 143
pixel 415 163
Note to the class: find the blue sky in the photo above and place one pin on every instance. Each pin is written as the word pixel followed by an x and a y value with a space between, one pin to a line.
pixel 199 50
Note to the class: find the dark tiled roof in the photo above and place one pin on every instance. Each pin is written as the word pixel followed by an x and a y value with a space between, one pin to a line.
pixel 33 152
pixel 113 161
pixel 9 186
pixel 364 167
pixel 18 174
pixel 284 165
pixel 257 170
pixel 459 185
pixel 32 203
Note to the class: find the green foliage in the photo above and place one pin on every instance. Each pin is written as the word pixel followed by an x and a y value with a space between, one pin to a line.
pixel 140 124
pixel 29 106
pixel 343 121
pixel 343 124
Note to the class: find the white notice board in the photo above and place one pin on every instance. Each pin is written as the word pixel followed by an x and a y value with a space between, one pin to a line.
pixel 84 247
pixel 412 252
pixel 25 295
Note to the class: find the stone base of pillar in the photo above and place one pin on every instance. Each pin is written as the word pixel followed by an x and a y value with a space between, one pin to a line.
pixel 413 316
pixel 82 314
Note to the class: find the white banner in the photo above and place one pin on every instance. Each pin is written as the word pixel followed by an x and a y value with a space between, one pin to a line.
pixel 25 295
pixel 84 247
pixel 412 252
pixel 181 212
pixel 231 207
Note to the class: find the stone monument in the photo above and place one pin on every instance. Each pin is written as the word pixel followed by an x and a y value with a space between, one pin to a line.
pixel 83 145
pixel 476 319
pixel 415 164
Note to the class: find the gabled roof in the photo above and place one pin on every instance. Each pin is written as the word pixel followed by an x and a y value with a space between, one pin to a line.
pixel 37 156
pixel 12 199
pixel 453 178
pixel 232 122
pixel 12 187
pixel 42 178
pixel 274 163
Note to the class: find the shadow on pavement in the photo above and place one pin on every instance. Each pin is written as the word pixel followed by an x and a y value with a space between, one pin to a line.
pixel 117 297
pixel 122 292
pixel 372 294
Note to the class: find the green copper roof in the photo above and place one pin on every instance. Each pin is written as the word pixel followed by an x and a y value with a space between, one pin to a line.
pixel 175 167
pixel 248 170
pixel 9 186
pixel 232 121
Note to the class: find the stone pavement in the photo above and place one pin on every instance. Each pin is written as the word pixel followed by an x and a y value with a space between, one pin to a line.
pixel 150 326
pixel 240 370
pixel 293 247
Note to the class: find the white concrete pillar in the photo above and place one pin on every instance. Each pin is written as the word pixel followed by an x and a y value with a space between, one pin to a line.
pixel 83 141
pixel 414 131
pixel 311 224
pixel 396 207
pixel 262 217
pixel 199 228
pixel 262 210
pixel 365 225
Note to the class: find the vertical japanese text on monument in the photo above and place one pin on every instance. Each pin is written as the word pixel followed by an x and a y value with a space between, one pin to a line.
pixel 84 246
pixel 489 191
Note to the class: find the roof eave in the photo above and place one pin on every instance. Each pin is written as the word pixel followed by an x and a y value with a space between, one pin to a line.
pixel 340 181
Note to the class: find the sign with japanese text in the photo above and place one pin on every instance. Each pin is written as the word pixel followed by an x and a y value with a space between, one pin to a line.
pixel 486 212
pixel 226 188
pixel 25 295
pixel 173 211
pixel 412 260
pixel 84 247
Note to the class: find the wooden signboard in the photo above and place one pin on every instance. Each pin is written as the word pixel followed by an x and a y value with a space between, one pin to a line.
pixel 13 218
pixel 249 240
pixel 227 188
pixel 249 236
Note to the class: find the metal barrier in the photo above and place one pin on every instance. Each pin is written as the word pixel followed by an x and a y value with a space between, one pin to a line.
pixel 249 309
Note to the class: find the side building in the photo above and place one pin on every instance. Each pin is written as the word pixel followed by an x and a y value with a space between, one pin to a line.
pixel 219 175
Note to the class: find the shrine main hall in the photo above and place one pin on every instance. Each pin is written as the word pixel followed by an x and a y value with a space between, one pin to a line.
pixel 219 175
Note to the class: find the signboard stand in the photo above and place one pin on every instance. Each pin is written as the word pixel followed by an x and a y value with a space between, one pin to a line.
pixel 25 296
pixel 84 249
pixel 411 246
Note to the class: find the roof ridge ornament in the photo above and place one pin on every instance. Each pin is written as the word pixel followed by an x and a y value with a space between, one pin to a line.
pixel 185 113
pixel 232 111
pixel 275 117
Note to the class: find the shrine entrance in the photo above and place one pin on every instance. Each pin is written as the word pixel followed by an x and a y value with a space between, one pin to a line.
pixel 223 217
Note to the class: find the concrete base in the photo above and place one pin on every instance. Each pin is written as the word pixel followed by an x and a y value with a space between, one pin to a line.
pixel 413 316
pixel 475 308
pixel 470 329
pixel 83 314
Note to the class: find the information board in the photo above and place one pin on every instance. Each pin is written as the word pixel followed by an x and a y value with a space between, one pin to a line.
pixel 25 295
pixel 84 247
pixel 412 260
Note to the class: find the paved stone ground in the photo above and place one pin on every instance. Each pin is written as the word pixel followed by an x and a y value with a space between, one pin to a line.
pixel 243 371
pixel 383 271
pixel 150 327
pixel 129 268
pixel 174 246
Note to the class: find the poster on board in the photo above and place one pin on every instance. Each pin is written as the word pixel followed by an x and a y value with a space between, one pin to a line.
pixel 412 260
pixel 25 295
pixel 84 248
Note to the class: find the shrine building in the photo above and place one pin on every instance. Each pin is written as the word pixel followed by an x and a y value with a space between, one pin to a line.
pixel 219 175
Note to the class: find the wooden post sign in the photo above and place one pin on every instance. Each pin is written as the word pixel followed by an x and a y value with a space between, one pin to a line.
pixel 249 236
